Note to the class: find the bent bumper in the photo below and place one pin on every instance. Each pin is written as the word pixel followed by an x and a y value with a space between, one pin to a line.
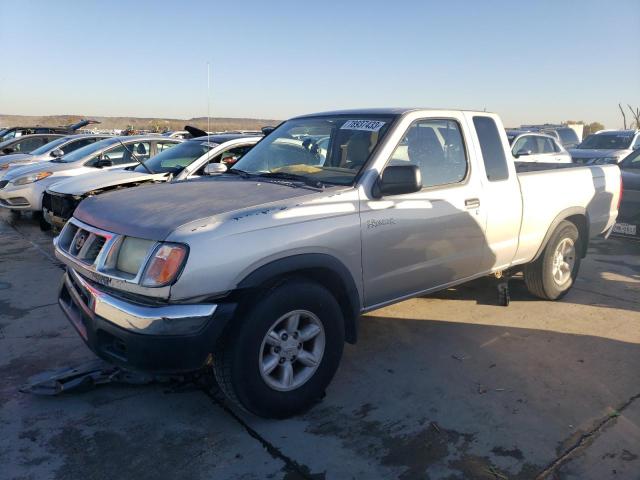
pixel 159 339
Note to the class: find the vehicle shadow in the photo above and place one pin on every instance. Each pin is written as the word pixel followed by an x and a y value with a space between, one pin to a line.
pixel 426 397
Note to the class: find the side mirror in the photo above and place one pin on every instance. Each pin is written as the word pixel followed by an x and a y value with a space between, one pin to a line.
pixel 397 180
pixel 104 162
pixel 214 168
pixel 522 153
pixel 57 153
pixel 267 130
pixel 8 150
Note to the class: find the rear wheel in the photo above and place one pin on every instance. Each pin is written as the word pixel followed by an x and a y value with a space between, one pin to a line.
pixel 278 358
pixel 552 275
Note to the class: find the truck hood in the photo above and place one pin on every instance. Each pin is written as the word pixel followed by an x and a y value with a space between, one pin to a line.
pixel 154 211
pixel 88 182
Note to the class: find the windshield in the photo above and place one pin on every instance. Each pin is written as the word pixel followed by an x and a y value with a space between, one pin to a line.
pixel 568 135
pixel 608 141
pixel 83 152
pixel 330 149
pixel 176 158
pixel 49 146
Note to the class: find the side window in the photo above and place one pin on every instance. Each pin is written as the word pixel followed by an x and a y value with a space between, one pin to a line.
pixel 70 147
pixel 636 144
pixel 437 148
pixel 495 161
pixel 525 144
pixel 122 154
pixel 544 145
pixel 231 156
pixel 29 144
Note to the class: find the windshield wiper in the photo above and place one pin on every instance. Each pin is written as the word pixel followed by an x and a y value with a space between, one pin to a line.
pixel 294 177
pixel 237 171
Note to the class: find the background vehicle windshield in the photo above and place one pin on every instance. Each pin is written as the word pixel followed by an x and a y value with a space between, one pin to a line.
pixel 606 141
pixel 49 146
pixel 632 160
pixel 85 151
pixel 318 149
pixel 176 158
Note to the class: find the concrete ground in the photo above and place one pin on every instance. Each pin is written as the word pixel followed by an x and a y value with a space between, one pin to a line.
pixel 448 386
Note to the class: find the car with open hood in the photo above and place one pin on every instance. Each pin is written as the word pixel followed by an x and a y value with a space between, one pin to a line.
pixel 187 160
pixel 22 188
pixel 15 132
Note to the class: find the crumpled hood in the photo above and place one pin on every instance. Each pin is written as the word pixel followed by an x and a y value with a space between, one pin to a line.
pixel 88 182
pixel 14 173
pixel 597 153
pixel 154 211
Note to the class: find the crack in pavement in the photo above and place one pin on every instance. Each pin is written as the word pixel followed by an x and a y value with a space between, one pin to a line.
pixel 582 441
pixel 290 465
pixel 614 297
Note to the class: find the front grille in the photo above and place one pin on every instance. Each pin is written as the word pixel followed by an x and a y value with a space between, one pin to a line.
pixel 3 183
pixel 61 206
pixel 83 244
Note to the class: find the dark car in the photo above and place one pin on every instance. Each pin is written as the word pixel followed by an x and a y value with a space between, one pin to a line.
pixel 628 223
pixel 27 143
pixel 15 132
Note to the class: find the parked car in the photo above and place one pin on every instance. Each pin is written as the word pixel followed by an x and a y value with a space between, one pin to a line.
pixel 266 268
pixel 606 147
pixel 25 144
pixel 628 223
pixel 187 160
pixel 536 147
pixel 57 147
pixel 14 132
pixel 21 189
pixel 566 136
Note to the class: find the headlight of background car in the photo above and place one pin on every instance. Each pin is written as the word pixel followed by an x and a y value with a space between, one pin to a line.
pixel 164 265
pixel 32 178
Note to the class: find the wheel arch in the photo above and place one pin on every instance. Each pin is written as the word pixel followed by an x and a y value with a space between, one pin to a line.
pixel 576 215
pixel 322 268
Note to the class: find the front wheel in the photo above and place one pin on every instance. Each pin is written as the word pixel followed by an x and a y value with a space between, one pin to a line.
pixel 278 358
pixel 552 275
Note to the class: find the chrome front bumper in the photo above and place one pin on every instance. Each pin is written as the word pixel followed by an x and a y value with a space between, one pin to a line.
pixel 136 318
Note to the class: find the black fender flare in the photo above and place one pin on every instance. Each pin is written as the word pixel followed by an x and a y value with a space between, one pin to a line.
pixel 324 268
pixel 565 214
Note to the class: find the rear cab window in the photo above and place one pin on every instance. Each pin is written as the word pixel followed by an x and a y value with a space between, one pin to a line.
pixel 495 161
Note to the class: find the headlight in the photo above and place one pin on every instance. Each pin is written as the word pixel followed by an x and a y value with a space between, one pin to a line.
pixel 132 253
pixel 165 264
pixel 32 178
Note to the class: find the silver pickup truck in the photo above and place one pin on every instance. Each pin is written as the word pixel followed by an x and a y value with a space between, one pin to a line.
pixel 263 271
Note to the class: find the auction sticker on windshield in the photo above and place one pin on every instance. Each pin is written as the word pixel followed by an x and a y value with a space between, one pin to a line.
pixel 364 125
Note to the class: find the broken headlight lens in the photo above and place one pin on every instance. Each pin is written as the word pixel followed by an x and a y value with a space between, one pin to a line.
pixel 165 264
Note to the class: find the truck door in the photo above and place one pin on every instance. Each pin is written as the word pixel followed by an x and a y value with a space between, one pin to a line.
pixel 421 241
pixel 502 199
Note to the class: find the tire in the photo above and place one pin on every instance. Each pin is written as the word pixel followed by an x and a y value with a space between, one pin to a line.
pixel 542 277
pixel 244 348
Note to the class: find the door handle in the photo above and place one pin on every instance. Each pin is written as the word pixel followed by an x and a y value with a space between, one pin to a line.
pixel 472 203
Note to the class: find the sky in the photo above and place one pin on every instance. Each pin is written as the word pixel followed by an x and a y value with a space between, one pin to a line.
pixel 531 62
